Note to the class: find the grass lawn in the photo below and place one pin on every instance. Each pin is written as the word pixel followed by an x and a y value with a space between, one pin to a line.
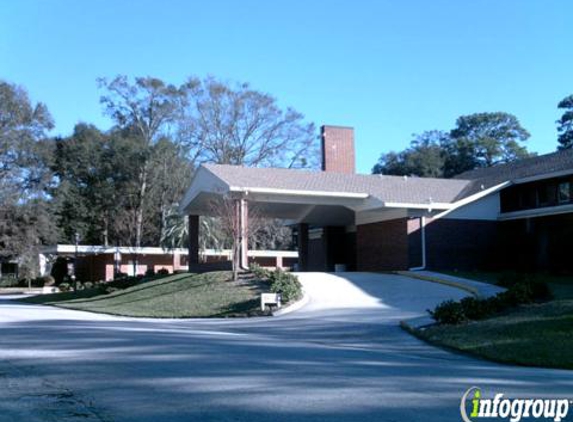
pixel 175 296
pixel 532 335
pixel 561 286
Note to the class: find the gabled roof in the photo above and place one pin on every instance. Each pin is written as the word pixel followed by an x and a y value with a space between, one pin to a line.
pixel 388 189
pixel 367 191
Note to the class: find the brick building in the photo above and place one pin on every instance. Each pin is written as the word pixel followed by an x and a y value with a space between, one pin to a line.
pixel 510 216
pixel 96 262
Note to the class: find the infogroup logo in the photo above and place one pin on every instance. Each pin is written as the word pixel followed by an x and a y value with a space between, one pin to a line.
pixel 474 407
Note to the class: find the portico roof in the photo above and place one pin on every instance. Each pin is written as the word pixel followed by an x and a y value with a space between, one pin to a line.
pixel 317 196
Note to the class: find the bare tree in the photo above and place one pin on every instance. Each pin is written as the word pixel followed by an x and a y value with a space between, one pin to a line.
pixel 233 124
pixel 239 228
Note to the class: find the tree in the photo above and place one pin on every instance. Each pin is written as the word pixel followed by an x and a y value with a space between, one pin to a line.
pixel 565 123
pixel 24 222
pixel 483 140
pixel 478 140
pixel 22 127
pixel 227 210
pixel 147 106
pixel 424 158
pixel 233 124
pixel 170 173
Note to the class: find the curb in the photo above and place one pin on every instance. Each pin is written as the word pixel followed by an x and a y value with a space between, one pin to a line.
pixel 418 323
pixel 293 307
pixel 474 291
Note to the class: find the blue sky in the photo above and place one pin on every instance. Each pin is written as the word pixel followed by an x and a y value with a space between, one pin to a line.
pixel 388 68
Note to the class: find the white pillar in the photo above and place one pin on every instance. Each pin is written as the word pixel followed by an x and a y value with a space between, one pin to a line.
pixel 244 228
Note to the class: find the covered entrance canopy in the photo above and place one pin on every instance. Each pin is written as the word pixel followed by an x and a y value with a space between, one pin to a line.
pixel 325 207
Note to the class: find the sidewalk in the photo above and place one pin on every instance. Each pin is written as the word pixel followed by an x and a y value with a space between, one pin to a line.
pixel 475 288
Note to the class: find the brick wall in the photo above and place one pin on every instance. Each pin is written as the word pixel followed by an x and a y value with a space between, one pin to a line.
pixel 414 243
pixel 450 244
pixel 538 244
pixel 338 149
pixel 382 246
pixel 462 244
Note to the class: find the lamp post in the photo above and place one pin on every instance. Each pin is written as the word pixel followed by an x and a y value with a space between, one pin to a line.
pixel 75 278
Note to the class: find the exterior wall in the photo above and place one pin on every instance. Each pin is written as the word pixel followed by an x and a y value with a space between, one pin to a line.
pixel 414 243
pixel 461 244
pixel 486 208
pixel 329 246
pixel 338 149
pixel 193 255
pixel 94 267
pixel 350 250
pixel 382 246
pixel 450 244
pixel 538 244
pixel 316 254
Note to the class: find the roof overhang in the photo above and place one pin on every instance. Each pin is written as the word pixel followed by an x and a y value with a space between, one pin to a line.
pixel 302 205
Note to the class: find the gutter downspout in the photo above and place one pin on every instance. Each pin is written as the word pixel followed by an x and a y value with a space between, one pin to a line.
pixel 423 241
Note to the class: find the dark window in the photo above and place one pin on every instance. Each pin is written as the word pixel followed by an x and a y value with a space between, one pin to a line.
pixel 528 198
pixel 564 192
pixel 546 195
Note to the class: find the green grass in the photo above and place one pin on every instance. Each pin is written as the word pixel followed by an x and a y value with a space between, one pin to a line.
pixel 175 296
pixel 534 335
pixel 561 286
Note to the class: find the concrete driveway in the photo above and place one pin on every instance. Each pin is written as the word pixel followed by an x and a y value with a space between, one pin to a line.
pixel 342 357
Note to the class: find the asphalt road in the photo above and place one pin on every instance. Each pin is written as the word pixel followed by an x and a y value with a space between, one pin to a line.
pixel 342 357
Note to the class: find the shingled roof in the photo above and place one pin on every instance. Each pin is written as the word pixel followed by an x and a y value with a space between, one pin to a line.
pixel 395 189
pixel 560 161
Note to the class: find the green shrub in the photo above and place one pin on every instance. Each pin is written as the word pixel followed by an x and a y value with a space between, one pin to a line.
pixel 540 290
pixel 124 283
pixel 528 287
pixel 163 271
pixel 509 279
pixel 150 272
pixel 65 287
pixel 449 312
pixel 476 309
pixel 8 281
pixel 260 272
pixel 286 284
pixel 89 285
pixel 521 290
pixel 47 280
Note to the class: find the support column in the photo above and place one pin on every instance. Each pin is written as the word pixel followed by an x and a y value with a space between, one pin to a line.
pixel 303 247
pixel 193 241
pixel 244 227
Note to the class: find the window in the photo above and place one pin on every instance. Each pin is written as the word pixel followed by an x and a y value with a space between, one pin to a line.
pixel 564 192
pixel 546 195
pixel 542 196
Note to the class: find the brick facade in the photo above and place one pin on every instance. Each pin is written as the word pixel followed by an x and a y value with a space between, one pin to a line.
pixel 453 244
pixel 338 149
pixel 538 244
pixel 382 246
pixel 450 244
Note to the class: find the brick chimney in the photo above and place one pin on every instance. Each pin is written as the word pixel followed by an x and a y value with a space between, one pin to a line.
pixel 338 149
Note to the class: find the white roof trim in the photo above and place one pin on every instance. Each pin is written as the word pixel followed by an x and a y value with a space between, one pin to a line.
pixel 472 198
pixel 420 206
pixel 295 192
pixel 543 176
pixel 537 212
